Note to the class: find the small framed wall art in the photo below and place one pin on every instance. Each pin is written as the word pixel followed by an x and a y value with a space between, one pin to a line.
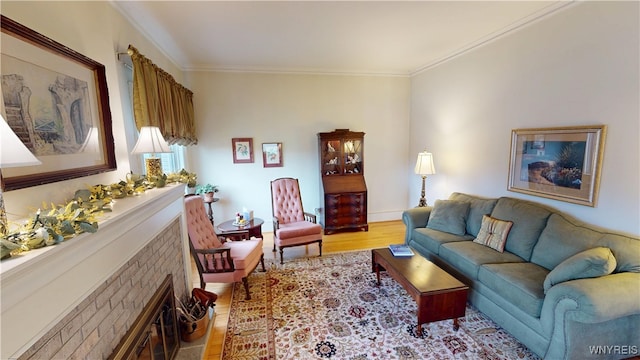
pixel 558 163
pixel 242 150
pixel 272 154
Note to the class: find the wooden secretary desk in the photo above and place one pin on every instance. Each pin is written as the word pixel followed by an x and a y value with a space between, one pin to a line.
pixel 344 191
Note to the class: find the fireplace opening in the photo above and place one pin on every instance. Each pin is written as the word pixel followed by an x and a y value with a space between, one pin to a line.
pixel 154 334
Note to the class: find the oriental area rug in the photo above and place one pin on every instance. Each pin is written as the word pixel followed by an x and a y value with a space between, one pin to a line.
pixel 329 307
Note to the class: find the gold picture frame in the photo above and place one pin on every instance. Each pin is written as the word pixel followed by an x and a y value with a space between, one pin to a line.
pixel 57 99
pixel 562 163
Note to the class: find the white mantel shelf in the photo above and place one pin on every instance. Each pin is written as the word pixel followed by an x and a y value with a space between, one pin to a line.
pixel 40 287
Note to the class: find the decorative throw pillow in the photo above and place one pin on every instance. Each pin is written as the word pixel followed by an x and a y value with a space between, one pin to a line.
pixel 449 216
pixel 586 264
pixel 493 233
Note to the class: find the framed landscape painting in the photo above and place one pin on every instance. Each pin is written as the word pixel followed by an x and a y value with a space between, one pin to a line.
pixel 56 101
pixel 558 163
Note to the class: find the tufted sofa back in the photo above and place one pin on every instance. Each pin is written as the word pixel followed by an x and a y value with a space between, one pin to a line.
pixel 286 200
pixel 201 232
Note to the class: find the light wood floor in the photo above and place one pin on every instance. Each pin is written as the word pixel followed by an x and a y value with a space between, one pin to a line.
pixel 380 234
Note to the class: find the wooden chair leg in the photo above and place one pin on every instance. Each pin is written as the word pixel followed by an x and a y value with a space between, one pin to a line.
pixel 262 262
pixel 246 288
pixel 281 256
pixel 320 247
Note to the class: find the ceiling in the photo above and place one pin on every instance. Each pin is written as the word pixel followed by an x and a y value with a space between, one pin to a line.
pixel 343 37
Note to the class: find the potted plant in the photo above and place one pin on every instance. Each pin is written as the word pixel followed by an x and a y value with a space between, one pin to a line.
pixel 207 190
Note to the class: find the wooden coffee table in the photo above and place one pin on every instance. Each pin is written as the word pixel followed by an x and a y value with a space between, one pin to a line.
pixel 254 227
pixel 439 295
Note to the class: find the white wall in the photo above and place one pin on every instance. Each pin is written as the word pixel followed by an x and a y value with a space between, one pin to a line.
pixel 292 109
pixel 577 67
pixel 98 31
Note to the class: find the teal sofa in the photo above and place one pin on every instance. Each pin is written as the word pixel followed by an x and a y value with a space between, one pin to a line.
pixel 542 288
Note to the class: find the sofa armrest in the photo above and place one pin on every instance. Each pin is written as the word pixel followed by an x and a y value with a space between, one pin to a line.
pixel 415 218
pixel 595 300
pixel 589 304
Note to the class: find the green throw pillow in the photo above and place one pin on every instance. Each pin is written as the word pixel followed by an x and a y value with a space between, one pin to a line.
pixel 586 264
pixel 449 216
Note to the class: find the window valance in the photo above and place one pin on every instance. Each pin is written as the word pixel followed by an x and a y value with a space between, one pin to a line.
pixel 158 100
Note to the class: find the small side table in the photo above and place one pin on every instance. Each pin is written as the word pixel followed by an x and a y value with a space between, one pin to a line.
pixel 254 227
pixel 210 210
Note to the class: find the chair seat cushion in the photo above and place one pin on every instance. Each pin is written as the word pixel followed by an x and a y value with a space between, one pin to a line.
pixel 245 253
pixel 298 229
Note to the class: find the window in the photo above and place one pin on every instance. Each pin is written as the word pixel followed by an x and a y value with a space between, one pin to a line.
pixel 171 162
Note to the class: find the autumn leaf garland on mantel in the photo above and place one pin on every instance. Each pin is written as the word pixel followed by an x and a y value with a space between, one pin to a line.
pixel 54 224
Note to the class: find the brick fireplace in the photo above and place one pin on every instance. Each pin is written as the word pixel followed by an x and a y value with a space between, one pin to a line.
pixel 79 298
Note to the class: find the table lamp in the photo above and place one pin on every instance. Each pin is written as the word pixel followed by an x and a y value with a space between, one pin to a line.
pixel 424 167
pixel 151 142
pixel 13 153
pixel 91 142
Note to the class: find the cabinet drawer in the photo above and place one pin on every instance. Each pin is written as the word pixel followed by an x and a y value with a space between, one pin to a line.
pixel 345 199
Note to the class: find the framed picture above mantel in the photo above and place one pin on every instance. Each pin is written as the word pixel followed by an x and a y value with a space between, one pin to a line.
pixel 56 100
pixel 562 163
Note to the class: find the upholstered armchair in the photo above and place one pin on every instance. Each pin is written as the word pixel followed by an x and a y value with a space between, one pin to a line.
pixel 219 261
pixel 291 225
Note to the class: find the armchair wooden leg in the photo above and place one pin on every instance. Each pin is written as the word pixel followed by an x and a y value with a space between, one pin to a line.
pixel 281 256
pixel 262 262
pixel 320 247
pixel 246 288
pixel 274 247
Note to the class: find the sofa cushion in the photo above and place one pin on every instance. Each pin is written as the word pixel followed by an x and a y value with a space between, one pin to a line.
pixel 467 256
pixel 477 208
pixel 562 239
pixel 432 239
pixel 625 249
pixel 586 264
pixel 493 233
pixel 519 283
pixel 529 219
pixel 449 216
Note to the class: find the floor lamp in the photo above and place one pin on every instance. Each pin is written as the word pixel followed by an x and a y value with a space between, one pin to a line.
pixel 151 142
pixel 424 167
pixel 13 153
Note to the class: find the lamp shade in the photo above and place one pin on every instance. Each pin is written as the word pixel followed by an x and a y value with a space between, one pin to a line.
pixel 91 142
pixel 13 153
pixel 151 141
pixel 424 165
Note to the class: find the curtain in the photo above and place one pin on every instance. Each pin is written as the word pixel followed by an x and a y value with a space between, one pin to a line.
pixel 158 100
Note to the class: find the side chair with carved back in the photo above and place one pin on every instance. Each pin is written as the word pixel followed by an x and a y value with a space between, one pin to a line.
pixel 220 261
pixel 292 226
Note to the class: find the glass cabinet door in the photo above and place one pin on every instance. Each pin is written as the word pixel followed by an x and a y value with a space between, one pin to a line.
pixel 331 157
pixel 352 155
